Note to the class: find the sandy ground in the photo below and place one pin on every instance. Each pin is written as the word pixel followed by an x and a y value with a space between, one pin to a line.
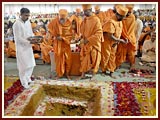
pixel 44 70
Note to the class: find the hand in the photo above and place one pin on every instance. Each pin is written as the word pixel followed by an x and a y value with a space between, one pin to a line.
pixel 59 38
pixel 149 50
pixel 123 41
pixel 33 42
pixel 127 40
pixel 153 49
pixel 29 38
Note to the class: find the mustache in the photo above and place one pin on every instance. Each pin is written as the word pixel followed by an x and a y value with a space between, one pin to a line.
pixel 86 14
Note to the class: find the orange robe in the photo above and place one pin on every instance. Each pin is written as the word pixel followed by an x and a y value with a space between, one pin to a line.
pixel 62 48
pixel 108 52
pixel 11 51
pixel 46 46
pixel 127 50
pixel 36 47
pixel 78 20
pixel 109 14
pixel 33 25
pixel 90 54
pixel 146 29
pixel 102 17
pixel 36 56
pixel 40 32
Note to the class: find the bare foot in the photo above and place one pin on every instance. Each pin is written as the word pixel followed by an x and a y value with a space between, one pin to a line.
pixel 118 67
pixel 81 77
pixel 68 77
pixel 111 75
pixel 132 66
pixel 104 73
pixel 93 78
pixel 56 77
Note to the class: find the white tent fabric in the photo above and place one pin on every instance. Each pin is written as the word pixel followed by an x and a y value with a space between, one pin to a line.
pixel 53 8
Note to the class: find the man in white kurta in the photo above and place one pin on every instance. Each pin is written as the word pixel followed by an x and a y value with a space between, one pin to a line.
pixel 22 30
pixel 149 49
pixel 138 30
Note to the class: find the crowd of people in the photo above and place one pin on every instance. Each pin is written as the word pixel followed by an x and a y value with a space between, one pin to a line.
pixel 106 39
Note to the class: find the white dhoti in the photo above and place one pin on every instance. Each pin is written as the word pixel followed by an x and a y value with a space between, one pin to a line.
pixel 147 54
pixel 25 76
pixel 148 58
pixel 24 52
pixel 53 65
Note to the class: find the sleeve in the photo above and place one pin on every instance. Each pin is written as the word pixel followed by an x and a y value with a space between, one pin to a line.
pixel 67 39
pixel 139 29
pixel 141 25
pixel 30 29
pixel 18 34
pixel 109 27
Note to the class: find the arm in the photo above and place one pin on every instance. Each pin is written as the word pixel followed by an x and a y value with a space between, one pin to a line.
pixel 151 49
pixel 111 36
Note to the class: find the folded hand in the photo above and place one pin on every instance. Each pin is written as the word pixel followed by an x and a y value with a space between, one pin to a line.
pixel 153 49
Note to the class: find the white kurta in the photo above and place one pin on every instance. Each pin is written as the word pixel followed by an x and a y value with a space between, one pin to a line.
pixel 148 56
pixel 138 30
pixel 24 51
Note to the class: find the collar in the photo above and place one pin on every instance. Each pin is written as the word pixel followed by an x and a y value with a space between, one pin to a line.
pixel 22 20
